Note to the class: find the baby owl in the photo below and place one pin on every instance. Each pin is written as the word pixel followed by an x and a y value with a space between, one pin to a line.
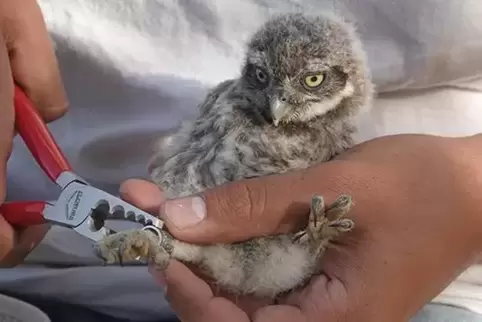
pixel 303 80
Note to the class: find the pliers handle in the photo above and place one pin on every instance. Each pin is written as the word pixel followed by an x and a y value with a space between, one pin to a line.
pixel 38 138
pixel 80 206
pixel 47 154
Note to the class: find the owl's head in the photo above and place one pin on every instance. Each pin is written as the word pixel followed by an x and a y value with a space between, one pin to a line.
pixel 300 67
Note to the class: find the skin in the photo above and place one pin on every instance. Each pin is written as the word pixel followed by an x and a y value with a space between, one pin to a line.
pixel 26 52
pixel 418 226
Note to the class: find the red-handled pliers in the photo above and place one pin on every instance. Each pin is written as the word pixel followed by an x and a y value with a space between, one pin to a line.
pixel 80 206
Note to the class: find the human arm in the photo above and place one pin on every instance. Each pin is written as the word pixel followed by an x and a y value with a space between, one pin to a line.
pixel 26 57
pixel 417 218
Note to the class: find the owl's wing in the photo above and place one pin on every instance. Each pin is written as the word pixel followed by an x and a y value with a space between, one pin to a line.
pixel 167 147
pixel 212 96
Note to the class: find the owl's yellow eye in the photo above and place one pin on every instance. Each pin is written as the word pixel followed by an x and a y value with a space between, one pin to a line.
pixel 313 81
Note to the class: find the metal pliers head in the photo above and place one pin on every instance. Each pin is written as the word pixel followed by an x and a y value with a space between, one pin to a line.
pixel 89 210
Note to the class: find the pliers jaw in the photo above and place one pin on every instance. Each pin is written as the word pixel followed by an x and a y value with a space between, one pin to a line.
pixel 88 210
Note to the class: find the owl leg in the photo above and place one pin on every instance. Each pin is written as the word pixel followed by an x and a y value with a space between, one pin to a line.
pixel 325 223
pixel 132 245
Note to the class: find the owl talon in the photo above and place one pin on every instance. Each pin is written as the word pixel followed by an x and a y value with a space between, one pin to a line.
pixel 331 222
pixel 343 225
pixel 326 223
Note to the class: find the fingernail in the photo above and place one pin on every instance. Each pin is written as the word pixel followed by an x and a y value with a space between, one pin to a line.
pixel 185 212
pixel 157 275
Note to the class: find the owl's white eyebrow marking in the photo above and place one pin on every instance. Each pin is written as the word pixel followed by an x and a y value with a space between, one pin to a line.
pixel 315 65
pixel 317 109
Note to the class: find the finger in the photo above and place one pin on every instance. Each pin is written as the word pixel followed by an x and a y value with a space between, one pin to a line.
pixel 7 242
pixel 143 194
pixel 249 208
pixel 188 295
pixel 247 303
pixel 6 115
pixel 7 234
pixel 323 296
pixel 221 309
pixel 22 243
pixel 32 57
pixel 281 313
pixel 193 300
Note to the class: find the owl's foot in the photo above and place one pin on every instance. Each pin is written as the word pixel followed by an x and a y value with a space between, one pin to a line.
pixel 326 223
pixel 133 245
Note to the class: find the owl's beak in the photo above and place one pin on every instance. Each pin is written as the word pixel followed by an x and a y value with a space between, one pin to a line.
pixel 278 110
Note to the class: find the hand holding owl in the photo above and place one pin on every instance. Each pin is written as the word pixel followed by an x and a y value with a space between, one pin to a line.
pixel 417 212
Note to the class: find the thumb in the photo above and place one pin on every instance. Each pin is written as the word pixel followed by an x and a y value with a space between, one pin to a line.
pixel 249 208
pixel 7 234
pixel 32 58
pixel 6 115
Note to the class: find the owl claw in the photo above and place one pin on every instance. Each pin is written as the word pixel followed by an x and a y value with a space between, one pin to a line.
pixel 343 225
pixel 326 223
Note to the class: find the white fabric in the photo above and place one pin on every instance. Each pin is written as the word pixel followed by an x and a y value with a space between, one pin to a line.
pixel 134 69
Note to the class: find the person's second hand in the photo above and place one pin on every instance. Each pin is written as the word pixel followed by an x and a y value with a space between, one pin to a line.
pixel 393 205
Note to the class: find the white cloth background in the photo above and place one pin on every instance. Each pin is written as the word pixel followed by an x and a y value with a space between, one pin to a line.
pixel 134 69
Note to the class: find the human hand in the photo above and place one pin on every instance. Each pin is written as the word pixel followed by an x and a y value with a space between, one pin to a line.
pixel 417 219
pixel 26 57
